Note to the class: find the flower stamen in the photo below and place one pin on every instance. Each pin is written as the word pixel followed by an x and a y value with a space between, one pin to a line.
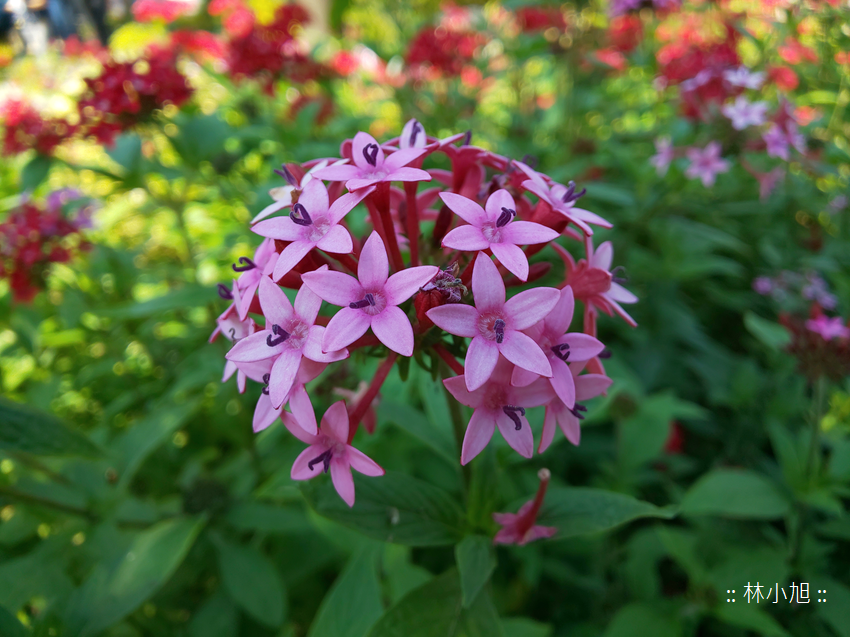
pixel 505 218
pixel 368 301
pixel 571 195
pixel 324 458
pixel 370 152
pixel 281 334
pixel 562 351
pixel 224 293
pixel 290 178
pixel 415 130
pixel 499 329
pixel 511 412
pixel 266 379
pixel 247 264
pixel 577 411
pixel 303 217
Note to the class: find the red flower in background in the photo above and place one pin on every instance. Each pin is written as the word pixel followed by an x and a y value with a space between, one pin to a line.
pixel 445 51
pixel 625 32
pixel 784 78
pixel 25 128
pixel 238 19
pixel 793 52
pixel 160 10
pixel 532 19
pixel 202 44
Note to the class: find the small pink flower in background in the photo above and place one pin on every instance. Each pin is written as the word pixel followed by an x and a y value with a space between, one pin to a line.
pixel 252 272
pixel 497 403
pixel 744 78
pixel 289 335
pixel 562 199
pixel 569 419
pixel 282 195
pixel 493 227
pixel 743 113
pixel 763 285
pixel 298 400
pixel 560 347
pixel 313 223
pixel 519 528
pixel 372 167
pixel 371 300
pixel 329 451
pixel 828 328
pixel 664 154
pixel 777 143
pixel 495 326
pixel 768 181
pixel 234 331
pixel 706 163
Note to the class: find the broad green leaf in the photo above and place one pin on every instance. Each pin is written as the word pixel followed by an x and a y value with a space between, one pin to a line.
pixel 127 153
pixel 643 620
pixel 579 510
pixel 110 594
pixel 750 617
pixel 642 435
pixel 259 516
pixel 771 334
pixel 418 426
pixel 836 610
pixel 217 617
pixel 734 493
pixel 475 563
pixel 23 428
pixel 393 508
pixel 353 604
pixel 10 626
pixel 35 172
pixel 524 627
pixel 187 297
pixel 253 582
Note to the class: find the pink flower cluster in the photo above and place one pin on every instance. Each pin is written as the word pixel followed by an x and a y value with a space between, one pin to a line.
pixel 431 277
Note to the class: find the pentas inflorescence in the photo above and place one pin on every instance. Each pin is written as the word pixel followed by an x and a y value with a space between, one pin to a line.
pixel 429 279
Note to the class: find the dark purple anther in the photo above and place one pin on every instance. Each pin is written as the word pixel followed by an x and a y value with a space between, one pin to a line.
pixel 247 264
pixel 571 194
pixel 281 334
pixel 232 332
pixel 290 178
pixel 499 329
pixel 467 138
pixel 415 130
pixel 266 379
pixel 324 458
pixel 530 161
pixel 224 293
pixel 371 154
pixel 365 302
pixel 576 411
pixel 511 412
pixel 622 280
pixel 505 217
pixel 605 353
pixel 299 215
pixel 562 351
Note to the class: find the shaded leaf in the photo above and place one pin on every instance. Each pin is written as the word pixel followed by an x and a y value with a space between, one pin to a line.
pixel 750 617
pixel 23 428
pixel 735 493
pixel 770 333
pixel 217 617
pixel 642 620
pixel 252 581
pixel 524 627
pixel 475 563
pixel 35 172
pixel 10 626
pixel 418 426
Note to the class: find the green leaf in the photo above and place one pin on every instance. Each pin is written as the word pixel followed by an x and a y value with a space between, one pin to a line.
pixel 771 334
pixel 394 508
pixel 642 620
pixel 836 610
pixel 524 627
pixel 218 617
pixel 40 573
pixel 252 581
pixel 110 594
pixel 751 618
pixel 417 425
pixel 10 626
pixel 23 428
pixel 35 172
pixel 127 153
pixel 734 493
pixel 259 516
pixel 187 297
pixel 353 604
pixel 435 610
pixel 475 563
pixel 579 510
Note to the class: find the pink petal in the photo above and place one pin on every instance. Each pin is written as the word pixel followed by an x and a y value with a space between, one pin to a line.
pixel 582 346
pixel 467 238
pixel 464 208
pixel 527 308
pixel 275 304
pixel 481 359
pixel 283 375
pixel 533 175
pixel 456 385
pixel 337 173
pixel 272 208
pixel 461 320
pixel 264 413
pixel 488 289
pixel 478 434
pixel 526 232
pixel 402 285
pixel 346 204
pixel 309 370
pixel 255 370
pixel 562 382
pixel 419 140
pixel 505 519
pixel 302 409
pixel 336 288
pixel 538 532
pixel 558 320
pixel 538 393
pixel 363 183
pixel 290 257
pixel 252 348
pixel 308 303
pixel 312 347
pixel 498 200
pixel 342 480
pixel 335 422
pixel 522 377
pixel 620 294
pixel 241 381
pixel 282 228
pixel 408 174
pixel 513 258
pixel 301 467
pixel 297 430
pixel 591 385
pixel 591 217
pixel 361 141
pixel 402 158
pixel 393 329
pixel 344 328
pixel 620 311
pixel 362 463
pixel 245 297
pixel 336 241
pixel 507 535
pixel 549 426
pixel 539 189
pixel 374 267
pixel 521 440
pixel 522 351
pixel 603 256
pixel 314 197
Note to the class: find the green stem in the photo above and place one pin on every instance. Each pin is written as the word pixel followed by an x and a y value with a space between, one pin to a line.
pixel 817 416
pixel 458 426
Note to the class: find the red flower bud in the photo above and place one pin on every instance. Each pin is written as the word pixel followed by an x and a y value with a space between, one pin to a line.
pixel 424 301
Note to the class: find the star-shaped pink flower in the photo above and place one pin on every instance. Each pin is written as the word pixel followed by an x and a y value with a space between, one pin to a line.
pixel 234 331
pixel 298 400
pixel 252 271
pixel 587 386
pixel 560 347
pixel 562 199
pixel 495 326
pixel 706 163
pixel 329 451
pixel 828 328
pixel 371 166
pixel 370 300
pixel 520 528
pixel 313 223
pixel 497 403
pixel 493 227
pixel 289 335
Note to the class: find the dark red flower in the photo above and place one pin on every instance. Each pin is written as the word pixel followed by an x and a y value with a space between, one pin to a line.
pixel 535 18
pixel 442 50
pixel 25 128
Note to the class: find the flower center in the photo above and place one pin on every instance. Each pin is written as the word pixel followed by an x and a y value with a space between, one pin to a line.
pixel 562 351
pixel 492 326
pixel 495 397
pixel 293 334
pixel 492 232
pixel 318 229
pixel 372 303
pixel 370 152
pixel 300 216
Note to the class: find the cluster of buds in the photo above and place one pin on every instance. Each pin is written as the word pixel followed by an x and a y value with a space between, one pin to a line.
pixel 429 279
pixel 32 237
